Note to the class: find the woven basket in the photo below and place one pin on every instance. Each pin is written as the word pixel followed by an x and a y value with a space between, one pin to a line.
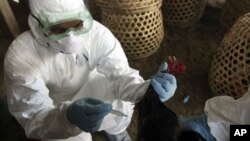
pixel 232 10
pixel 129 5
pixel 230 70
pixel 139 31
pixel 183 13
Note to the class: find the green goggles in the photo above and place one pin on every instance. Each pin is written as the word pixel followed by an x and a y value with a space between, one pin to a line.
pixel 53 23
pixel 76 25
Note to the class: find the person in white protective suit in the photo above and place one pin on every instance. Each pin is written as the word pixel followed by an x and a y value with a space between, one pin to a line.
pixel 68 72
pixel 220 113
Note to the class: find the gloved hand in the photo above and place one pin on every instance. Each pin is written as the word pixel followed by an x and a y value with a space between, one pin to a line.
pixel 198 124
pixel 88 113
pixel 164 83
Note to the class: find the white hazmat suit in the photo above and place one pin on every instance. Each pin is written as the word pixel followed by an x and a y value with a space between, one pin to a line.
pixel 223 111
pixel 42 82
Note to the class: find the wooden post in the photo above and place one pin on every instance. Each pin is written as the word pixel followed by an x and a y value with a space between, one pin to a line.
pixel 9 17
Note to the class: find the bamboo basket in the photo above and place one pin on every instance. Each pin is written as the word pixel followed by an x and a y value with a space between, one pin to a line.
pixel 230 70
pixel 137 24
pixel 183 13
pixel 129 5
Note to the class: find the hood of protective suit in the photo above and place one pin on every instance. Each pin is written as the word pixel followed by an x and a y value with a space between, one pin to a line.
pixel 56 8
pixel 36 6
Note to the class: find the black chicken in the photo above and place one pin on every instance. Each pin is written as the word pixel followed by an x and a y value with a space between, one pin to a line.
pixel 156 122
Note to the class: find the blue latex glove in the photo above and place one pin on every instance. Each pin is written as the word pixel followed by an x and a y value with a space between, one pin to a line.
pixel 88 113
pixel 199 125
pixel 164 83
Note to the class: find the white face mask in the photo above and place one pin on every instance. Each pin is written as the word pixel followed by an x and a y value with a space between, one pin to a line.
pixel 68 45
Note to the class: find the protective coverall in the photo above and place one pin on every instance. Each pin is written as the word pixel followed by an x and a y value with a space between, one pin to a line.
pixel 223 111
pixel 42 81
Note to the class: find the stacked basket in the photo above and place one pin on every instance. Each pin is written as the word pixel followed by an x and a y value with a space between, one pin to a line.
pixel 136 23
pixel 232 10
pixel 183 13
pixel 230 70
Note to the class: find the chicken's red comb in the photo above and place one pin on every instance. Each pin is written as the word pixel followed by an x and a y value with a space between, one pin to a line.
pixel 174 66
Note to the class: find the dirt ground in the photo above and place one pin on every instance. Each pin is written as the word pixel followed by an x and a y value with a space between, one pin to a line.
pixel 194 47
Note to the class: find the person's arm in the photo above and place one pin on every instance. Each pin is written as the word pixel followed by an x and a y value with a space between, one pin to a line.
pixel 197 124
pixel 125 82
pixel 29 101
pixel 30 104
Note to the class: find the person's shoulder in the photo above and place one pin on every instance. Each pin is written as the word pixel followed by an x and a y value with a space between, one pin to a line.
pixel 22 41
pixel 25 36
pixel 99 26
pixel 100 29
pixel 21 57
pixel 20 47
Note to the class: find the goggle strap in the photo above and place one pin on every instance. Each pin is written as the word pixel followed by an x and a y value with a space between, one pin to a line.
pixel 40 24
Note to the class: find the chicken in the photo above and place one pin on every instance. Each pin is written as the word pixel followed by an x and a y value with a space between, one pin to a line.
pixel 156 122
pixel 190 136
pixel 174 66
